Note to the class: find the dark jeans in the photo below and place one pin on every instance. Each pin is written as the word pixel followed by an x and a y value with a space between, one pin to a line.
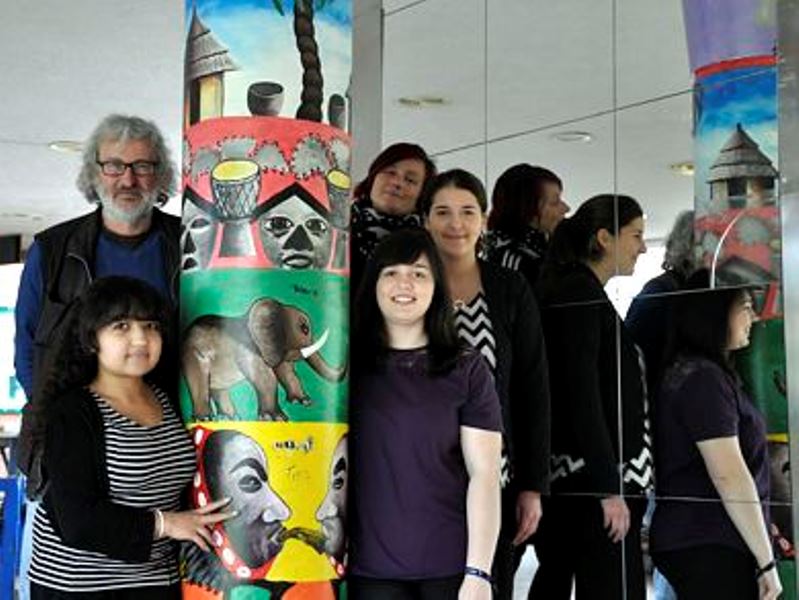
pixel 711 571
pixel 172 592
pixel 573 547
pixel 366 588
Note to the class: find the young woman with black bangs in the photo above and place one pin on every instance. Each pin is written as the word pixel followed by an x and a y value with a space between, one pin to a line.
pixel 117 456
pixel 425 439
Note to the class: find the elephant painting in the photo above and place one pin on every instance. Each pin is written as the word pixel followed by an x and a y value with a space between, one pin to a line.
pixel 261 346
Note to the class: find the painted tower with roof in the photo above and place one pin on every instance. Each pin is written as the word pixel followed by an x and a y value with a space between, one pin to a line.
pixel 206 63
pixel 742 176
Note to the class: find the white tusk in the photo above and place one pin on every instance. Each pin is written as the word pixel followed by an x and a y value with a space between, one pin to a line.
pixel 316 346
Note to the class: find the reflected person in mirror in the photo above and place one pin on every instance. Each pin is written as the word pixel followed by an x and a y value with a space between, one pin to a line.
pixel 709 533
pixel 526 207
pixel 590 534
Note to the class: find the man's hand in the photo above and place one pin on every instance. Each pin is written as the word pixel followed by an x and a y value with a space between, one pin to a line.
pixel 528 515
pixel 616 517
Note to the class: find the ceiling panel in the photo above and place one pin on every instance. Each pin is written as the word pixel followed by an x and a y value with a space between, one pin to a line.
pixel 585 168
pixel 548 62
pixel 651 137
pixel 435 50
pixel 72 64
pixel 652 51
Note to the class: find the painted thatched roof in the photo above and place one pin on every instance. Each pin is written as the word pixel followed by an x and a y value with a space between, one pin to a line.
pixel 741 157
pixel 204 54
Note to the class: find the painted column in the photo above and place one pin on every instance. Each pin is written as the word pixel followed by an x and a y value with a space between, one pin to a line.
pixel 733 52
pixel 265 290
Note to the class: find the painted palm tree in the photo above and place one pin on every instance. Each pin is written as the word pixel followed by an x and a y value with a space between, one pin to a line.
pixel 312 95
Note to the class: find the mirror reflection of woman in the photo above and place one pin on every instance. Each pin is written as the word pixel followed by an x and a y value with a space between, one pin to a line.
pixel 711 446
pixel 526 207
pixel 601 454
pixel 497 314
pixel 386 200
pixel 425 437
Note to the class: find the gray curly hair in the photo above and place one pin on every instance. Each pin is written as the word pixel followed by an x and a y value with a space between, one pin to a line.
pixel 124 128
pixel 680 254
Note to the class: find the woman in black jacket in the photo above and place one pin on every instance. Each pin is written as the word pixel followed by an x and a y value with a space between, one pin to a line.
pixel 386 201
pixel 497 314
pixel 601 458
pixel 116 455
pixel 526 207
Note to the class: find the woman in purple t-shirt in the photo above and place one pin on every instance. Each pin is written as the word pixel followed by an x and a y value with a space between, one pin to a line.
pixel 708 534
pixel 425 439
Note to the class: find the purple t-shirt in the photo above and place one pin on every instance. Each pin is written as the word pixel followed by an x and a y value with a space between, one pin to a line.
pixel 409 479
pixel 700 401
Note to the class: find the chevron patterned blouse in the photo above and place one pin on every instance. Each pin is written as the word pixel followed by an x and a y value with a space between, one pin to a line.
pixel 473 322
pixel 474 327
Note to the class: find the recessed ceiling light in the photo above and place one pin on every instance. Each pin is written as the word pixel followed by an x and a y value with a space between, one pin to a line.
pixel 421 101
pixel 685 168
pixel 573 136
pixel 66 146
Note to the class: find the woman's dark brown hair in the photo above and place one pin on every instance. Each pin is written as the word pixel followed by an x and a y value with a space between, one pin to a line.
pixel 391 155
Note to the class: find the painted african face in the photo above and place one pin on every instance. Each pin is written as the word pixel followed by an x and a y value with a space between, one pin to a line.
pixel 126 198
pixel 404 293
pixel 295 236
pixel 396 188
pixel 624 249
pixel 332 512
pixel 128 348
pixel 551 208
pixel 742 315
pixel 455 222
pixel 196 237
pixel 257 531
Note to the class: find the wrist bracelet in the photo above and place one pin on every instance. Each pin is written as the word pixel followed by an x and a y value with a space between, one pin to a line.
pixel 159 524
pixel 479 573
pixel 772 564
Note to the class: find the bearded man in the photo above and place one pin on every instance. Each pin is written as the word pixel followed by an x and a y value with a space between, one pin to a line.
pixel 127 171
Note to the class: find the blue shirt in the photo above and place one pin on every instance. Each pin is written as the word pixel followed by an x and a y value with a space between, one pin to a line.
pixel 144 261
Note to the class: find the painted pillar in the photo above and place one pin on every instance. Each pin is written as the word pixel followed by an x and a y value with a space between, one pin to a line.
pixel 264 292
pixel 733 52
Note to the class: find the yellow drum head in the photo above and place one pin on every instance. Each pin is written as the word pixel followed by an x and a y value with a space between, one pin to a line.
pixel 234 171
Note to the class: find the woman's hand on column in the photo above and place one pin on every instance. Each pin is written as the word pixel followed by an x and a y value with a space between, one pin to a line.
pixel 193 525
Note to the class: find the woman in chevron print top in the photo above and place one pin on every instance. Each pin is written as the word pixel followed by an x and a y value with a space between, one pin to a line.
pixel 497 314
pixel 601 457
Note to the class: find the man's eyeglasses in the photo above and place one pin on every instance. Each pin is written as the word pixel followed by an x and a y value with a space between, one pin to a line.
pixel 116 168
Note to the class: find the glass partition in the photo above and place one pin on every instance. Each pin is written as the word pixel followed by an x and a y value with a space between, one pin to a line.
pixel 613 98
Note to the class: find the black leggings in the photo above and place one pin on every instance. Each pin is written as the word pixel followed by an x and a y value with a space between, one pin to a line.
pixel 172 592
pixel 711 571
pixel 573 548
pixel 366 588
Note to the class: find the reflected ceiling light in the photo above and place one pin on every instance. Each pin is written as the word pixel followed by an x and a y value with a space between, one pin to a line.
pixel 685 168
pixel 573 136
pixel 66 146
pixel 421 101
